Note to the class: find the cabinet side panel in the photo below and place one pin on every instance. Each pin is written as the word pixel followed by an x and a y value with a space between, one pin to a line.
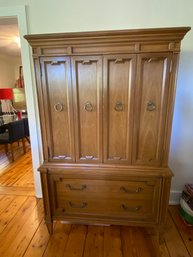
pixel 150 107
pixel 57 96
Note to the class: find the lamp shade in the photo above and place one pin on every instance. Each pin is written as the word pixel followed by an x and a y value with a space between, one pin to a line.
pixel 6 93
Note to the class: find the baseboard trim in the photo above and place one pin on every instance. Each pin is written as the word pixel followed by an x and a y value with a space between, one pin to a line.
pixel 175 197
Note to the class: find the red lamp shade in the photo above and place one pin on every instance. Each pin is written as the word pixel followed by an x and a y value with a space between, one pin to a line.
pixel 6 93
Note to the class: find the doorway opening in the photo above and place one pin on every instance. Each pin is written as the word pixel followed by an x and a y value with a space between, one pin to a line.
pixel 13 109
pixel 35 137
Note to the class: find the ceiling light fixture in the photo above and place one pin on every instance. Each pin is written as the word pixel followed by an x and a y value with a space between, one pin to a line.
pixel 17 41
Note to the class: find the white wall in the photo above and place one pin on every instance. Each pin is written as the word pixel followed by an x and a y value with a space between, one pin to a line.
pixel 47 16
pixel 7 71
pixel 8 74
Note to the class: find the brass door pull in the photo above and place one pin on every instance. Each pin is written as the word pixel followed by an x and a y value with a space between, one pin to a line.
pixel 58 107
pixel 130 209
pixel 150 106
pixel 81 188
pixel 118 106
pixel 88 107
pixel 81 205
pixel 138 190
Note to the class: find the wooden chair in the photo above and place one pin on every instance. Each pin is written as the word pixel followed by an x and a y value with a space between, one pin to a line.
pixel 14 132
pixel 26 129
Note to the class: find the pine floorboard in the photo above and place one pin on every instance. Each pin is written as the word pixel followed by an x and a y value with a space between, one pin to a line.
pixel 23 232
pixel 16 178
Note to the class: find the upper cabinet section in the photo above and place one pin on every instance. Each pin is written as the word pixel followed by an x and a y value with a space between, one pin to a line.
pixel 108 42
pixel 107 97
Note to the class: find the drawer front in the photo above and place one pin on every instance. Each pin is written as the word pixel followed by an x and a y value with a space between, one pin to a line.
pixel 132 209
pixel 79 188
pixel 134 200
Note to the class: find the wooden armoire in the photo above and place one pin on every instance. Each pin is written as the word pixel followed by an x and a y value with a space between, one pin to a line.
pixel 105 103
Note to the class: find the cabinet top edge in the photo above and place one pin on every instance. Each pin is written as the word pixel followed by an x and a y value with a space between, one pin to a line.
pixel 172 33
pixel 107 169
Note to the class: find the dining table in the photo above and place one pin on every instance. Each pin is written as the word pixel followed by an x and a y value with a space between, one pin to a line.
pixel 8 118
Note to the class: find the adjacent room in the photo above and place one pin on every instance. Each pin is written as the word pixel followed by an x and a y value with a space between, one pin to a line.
pixel 14 142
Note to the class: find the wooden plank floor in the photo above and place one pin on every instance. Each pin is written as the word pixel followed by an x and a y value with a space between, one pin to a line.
pixel 16 177
pixel 23 232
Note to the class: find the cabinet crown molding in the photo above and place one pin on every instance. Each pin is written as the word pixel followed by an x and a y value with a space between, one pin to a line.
pixel 130 35
pixel 105 42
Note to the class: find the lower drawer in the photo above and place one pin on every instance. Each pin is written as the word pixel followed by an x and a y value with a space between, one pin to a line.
pixel 136 200
pixel 130 209
pixel 80 188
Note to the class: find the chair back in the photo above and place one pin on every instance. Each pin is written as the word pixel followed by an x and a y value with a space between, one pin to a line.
pixel 16 130
pixel 26 126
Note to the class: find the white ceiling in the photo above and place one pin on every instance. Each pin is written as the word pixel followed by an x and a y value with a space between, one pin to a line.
pixel 8 32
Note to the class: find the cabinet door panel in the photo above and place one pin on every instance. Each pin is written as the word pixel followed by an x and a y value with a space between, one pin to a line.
pixel 119 76
pixel 56 86
pixel 151 96
pixel 87 86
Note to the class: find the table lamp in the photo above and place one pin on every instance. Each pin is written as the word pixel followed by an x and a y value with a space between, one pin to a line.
pixel 7 95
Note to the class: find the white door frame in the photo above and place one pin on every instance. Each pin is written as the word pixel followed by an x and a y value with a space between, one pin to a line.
pixel 34 125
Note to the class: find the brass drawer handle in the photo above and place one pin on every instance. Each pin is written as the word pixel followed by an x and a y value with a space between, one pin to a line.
pixel 81 205
pixel 81 188
pixel 58 107
pixel 88 107
pixel 150 106
pixel 138 190
pixel 129 209
pixel 118 106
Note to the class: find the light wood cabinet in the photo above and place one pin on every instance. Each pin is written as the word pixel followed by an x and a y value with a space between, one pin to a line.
pixel 106 102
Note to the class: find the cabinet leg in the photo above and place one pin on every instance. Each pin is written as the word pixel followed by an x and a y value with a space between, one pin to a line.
pixel 50 227
pixel 152 240
pixel 161 233
pixel 161 238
